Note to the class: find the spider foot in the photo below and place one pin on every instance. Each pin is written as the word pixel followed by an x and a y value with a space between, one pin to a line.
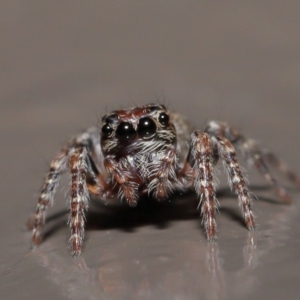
pixel 36 240
pixel 283 194
pixel 30 222
pixel 249 219
pixel 76 244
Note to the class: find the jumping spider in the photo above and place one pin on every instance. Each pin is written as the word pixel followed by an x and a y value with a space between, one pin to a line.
pixel 149 150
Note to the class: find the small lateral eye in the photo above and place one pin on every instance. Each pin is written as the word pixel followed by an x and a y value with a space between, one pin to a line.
pixel 146 127
pixel 125 131
pixel 163 119
pixel 156 107
pixel 110 118
pixel 106 130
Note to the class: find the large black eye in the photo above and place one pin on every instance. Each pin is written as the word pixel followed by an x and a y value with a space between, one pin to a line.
pixel 163 119
pixel 106 130
pixel 146 127
pixel 125 131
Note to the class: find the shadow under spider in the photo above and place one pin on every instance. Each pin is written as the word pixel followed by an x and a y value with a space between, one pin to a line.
pixel 181 206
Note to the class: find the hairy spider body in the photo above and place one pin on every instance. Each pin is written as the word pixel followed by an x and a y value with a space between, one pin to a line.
pixel 148 150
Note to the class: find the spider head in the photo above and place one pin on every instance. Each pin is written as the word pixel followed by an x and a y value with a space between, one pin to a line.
pixel 129 131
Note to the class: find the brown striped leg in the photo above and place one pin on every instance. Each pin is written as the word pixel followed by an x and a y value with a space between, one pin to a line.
pixel 262 167
pixel 237 181
pixel 89 139
pixel 128 188
pixel 79 197
pixel 161 185
pixel 252 152
pixel 255 155
pixel 201 151
pixel 281 166
pixel 57 167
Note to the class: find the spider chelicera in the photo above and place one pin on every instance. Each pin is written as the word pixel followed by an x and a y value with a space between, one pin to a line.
pixel 149 150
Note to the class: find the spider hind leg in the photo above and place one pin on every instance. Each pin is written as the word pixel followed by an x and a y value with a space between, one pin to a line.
pixel 88 140
pixel 45 200
pixel 257 156
pixel 236 179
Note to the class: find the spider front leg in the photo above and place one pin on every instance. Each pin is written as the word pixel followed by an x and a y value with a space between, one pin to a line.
pixel 201 152
pixel 163 174
pixel 128 187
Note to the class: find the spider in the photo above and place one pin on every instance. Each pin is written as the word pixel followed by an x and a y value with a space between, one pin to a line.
pixel 149 150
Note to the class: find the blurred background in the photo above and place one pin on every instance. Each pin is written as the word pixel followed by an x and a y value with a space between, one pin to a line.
pixel 65 64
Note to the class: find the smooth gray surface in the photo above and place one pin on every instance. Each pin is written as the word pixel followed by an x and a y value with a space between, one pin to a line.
pixel 64 64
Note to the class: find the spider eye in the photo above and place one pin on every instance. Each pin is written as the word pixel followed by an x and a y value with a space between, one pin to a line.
pixel 106 130
pixel 163 119
pixel 146 127
pixel 155 107
pixel 110 118
pixel 125 131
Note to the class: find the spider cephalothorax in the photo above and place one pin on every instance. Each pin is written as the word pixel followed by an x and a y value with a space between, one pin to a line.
pixel 149 150
pixel 139 141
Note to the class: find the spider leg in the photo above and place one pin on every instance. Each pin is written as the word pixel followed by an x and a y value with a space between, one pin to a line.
pixel 261 165
pixel 88 139
pixel 164 175
pixel 128 187
pixel 97 184
pixel 79 197
pixel 281 166
pixel 57 167
pixel 256 155
pixel 236 179
pixel 201 153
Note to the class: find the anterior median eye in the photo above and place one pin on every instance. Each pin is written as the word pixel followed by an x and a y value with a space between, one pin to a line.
pixel 146 127
pixel 125 131
pixel 106 130
pixel 163 119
